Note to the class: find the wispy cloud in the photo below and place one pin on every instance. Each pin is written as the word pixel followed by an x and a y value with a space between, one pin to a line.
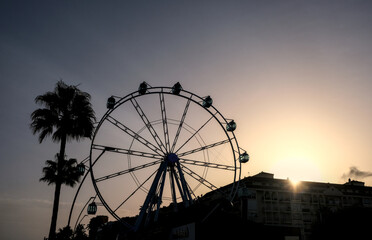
pixel 354 172
pixel 29 201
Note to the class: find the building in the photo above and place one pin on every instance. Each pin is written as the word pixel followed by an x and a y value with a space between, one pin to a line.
pixel 263 208
pixel 280 203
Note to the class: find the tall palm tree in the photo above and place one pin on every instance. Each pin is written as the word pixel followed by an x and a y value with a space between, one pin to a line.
pixel 67 114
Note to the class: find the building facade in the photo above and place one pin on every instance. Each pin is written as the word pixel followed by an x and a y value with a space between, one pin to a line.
pixel 280 203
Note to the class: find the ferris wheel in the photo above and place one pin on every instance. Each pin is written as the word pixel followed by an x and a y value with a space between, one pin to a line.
pixel 161 146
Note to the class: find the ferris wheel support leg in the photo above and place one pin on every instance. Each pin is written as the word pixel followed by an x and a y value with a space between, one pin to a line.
pixel 185 190
pixel 180 189
pixel 149 201
pixel 160 196
pixel 173 188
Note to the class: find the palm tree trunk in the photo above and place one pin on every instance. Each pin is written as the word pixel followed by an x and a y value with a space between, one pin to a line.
pixel 53 225
pixel 57 192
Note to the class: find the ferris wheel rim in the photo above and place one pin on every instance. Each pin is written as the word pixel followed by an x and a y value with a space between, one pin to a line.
pixel 191 97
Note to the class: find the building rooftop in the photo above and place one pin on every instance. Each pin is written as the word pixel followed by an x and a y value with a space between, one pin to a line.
pixel 264 180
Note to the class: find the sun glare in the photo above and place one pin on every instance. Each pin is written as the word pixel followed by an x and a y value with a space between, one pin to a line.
pixel 296 169
pixel 295 183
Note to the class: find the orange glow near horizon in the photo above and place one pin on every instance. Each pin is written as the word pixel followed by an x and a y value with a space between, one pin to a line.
pixel 295 183
pixel 306 142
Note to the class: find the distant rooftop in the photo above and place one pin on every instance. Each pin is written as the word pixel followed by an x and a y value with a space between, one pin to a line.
pixel 264 175
pixel 354 183
pixel 271 176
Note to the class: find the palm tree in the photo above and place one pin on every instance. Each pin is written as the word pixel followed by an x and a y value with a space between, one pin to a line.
pixel 69 174
pixel 67 115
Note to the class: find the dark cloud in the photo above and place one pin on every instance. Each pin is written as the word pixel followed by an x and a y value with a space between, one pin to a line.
pixel 354 172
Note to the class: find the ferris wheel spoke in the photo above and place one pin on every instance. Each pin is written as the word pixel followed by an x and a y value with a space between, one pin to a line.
pixel 165 123
pixel 127 171
pixel 207 164
pixel 126 151
pixel 199 178
pixel 203 148
pixel 148 125
pixel 180 125
pixel 196 132
pixel 133 134
pixel 139 187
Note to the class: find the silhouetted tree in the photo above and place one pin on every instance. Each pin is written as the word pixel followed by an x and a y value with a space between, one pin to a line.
pixel 79 233
pixel 96 223
pixel 68 175
pixel 64 233
pixel 67 115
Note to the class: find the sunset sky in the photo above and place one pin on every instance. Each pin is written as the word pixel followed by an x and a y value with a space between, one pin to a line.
pixel 294 75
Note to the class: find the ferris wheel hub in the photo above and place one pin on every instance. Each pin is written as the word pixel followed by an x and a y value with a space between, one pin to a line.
pixel 172 158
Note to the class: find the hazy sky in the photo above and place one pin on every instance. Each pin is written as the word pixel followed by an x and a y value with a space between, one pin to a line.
pixel 295 76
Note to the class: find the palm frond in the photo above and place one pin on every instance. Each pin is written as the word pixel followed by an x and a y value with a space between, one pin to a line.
pixel 43 121
pixel 68 112
pixel 50 172
pixel 68 175
pixel 50 100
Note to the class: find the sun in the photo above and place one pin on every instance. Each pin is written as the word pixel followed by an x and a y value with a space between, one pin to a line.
pixel 295 183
